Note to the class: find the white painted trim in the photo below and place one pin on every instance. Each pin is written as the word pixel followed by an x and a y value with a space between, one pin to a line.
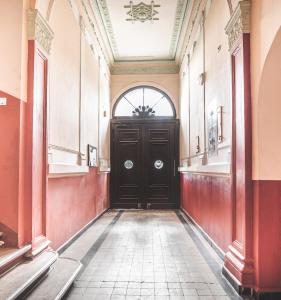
pixel 65 170
pixel 222 168
pixel 104 170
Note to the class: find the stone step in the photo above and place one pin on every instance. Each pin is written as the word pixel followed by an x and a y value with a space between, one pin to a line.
pixel 9 257
pixel 15 283
pixel 58 281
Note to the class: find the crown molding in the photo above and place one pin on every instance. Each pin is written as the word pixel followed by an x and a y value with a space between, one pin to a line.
pixel 178 24
pixel 100 6
pixel 95 29
pixel 39 30
pixel 140 59
pixel 239 23
pixel 145 67
pixel 190 29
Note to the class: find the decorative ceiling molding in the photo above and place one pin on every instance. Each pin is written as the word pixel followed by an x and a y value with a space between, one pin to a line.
pixel 142 12
pixel 97 35
pixel 39 30
pixel 187 37
pixel 145 67
pixel 180 14
pixel 138 59
pixel 100 10
pixel 239 23
pixel 101 7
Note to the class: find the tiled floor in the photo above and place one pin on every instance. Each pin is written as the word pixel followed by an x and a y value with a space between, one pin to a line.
pixel 148 255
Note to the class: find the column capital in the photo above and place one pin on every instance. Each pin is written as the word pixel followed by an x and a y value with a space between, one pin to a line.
pixel 38 29
pixel 239 23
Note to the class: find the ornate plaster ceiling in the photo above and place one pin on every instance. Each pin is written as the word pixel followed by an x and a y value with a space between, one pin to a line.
pixel 142 39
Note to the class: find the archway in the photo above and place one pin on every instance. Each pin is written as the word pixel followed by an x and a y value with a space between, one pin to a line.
pixel 149 99
pixel 144 150
pixel 267 185
pixel 269 112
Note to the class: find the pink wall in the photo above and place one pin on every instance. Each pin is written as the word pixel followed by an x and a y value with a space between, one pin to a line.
pixel 65 195
pixel 10 177
pixel 266 110
pixel 268 114
pixel 207 200
pixel 13 52
pixel 267 235
pixel 265 88
pixel 72 202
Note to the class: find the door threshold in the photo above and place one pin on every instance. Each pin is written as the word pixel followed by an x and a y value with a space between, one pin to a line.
pixel 143 209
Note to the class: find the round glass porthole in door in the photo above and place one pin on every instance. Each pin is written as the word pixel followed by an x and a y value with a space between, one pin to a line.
pixel 158 164
pixel 128 164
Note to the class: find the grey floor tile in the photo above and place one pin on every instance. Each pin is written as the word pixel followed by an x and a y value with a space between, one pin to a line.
pixel 189 292
pixel 147 285
pixel 117 297
pixel 119 291
pixel 147 292
pixel 121 284
pixel 145 255
pixel 161 292
pixel 133 292
pixel 175 292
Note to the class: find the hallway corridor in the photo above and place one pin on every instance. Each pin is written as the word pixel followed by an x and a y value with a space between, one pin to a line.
pixel 149 255
pixel 140 149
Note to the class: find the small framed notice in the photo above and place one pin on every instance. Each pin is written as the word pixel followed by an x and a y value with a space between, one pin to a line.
pixel 92 156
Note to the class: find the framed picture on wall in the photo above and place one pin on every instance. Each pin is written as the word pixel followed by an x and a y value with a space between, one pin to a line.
pixel 92 156
pixel 212 133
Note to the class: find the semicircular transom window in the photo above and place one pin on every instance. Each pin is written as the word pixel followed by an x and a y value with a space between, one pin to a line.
pixel 144 102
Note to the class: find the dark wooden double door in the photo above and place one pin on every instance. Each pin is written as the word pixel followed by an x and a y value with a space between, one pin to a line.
pixel 144 161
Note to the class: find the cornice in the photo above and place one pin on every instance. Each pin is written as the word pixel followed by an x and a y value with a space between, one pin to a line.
pixel 38 29
pixel 179 19
pixel 165 67
pixel 239 23
pixel 101 7
pixel 98 36
pixel 187 35
pixel 140 59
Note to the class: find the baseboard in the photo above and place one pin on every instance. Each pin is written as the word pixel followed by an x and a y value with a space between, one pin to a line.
pixel 233 282
pixel 68 243
pixel 201 231
pixel 228 276
pixel 267 295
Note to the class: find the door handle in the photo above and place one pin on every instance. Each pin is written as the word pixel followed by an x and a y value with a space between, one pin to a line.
pixel 174 167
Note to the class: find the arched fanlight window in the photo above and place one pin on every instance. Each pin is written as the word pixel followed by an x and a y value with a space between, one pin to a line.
pixel 144 102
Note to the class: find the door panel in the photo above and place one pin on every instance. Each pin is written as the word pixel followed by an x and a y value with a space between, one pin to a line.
pixel 143 158
pixel 159 157
pixel 127 166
